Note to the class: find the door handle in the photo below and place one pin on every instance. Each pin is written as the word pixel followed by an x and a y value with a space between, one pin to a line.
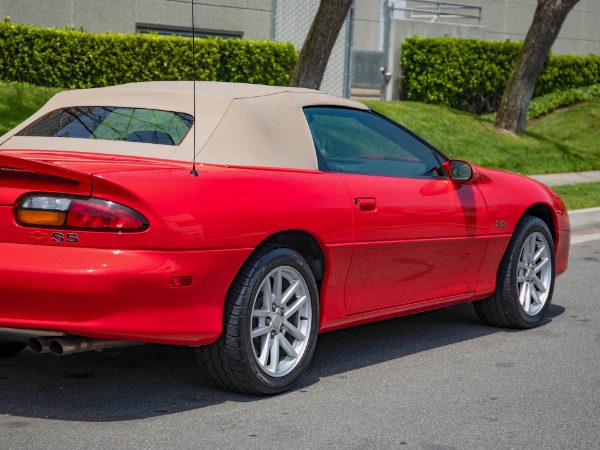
pixel 366 203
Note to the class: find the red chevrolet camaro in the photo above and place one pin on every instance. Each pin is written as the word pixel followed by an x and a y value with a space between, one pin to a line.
pixel 276 214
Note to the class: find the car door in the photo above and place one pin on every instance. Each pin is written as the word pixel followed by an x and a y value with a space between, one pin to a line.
pixel 418 236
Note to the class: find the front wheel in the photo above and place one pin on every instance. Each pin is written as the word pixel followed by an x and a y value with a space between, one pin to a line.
pixel 525 281
pixel 10 348
pixel 270 325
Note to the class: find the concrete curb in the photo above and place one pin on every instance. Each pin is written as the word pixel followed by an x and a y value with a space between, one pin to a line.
pixel 561 179
pixel 584 219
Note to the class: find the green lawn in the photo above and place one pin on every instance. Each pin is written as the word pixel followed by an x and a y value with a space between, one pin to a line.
pixel 19 101
pixel 577 196
pixel 567 140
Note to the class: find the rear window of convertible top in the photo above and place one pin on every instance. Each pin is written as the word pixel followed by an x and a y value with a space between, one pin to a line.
pixel 110 123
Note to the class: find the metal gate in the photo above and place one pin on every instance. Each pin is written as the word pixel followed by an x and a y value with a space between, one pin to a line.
pixel 368 68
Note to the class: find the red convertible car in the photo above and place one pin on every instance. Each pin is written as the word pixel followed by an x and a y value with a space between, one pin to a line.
pixel 248 221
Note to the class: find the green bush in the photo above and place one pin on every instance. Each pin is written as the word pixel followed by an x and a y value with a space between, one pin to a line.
pixel 547 103
pixel 255 62
pixel 562 72
pixel 75 59
pixel 471 74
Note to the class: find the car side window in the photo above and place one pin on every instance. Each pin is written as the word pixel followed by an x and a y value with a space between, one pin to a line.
pixel 361 142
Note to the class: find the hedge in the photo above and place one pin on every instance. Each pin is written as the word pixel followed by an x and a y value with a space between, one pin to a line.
pixel 70 58
pixel 547 103
pixel 471 74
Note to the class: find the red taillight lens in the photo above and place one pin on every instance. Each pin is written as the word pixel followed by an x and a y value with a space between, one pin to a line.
pixel 101 215
pixel 82 214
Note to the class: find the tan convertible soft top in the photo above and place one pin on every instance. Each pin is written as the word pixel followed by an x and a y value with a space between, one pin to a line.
pixel 237 124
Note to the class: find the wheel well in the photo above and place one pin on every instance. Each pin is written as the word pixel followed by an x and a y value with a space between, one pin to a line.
pixel 304 244
pixel 545 213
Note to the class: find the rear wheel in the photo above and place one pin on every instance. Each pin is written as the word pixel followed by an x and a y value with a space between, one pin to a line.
pixel 270 325
pixel 525 280
pixel 10 348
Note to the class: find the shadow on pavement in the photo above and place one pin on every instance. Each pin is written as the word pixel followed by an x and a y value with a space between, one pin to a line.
pixel 153 380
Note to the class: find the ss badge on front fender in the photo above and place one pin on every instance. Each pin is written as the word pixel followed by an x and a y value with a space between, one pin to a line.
pixel 500 223
pixel 70 238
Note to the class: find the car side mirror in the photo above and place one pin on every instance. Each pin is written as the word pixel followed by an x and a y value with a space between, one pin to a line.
pixel 459 170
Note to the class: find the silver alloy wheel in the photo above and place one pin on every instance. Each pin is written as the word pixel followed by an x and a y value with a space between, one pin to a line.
pixel 534 275
pixel 281 321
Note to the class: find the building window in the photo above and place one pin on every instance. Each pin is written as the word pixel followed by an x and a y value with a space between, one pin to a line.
pixel 165 30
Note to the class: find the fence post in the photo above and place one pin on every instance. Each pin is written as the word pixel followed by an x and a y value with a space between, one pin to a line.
pixel 348 51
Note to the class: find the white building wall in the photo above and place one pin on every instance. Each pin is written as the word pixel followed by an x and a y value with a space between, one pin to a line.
pixel 502 19
pixel 510 19
pixel 251 17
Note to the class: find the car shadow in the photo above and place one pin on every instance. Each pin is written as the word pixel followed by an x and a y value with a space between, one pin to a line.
pixel 154 380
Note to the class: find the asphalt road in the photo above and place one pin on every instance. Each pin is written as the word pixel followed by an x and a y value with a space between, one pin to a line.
pixel 437 380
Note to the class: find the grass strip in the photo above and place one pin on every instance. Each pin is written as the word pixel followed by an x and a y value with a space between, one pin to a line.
pixel 578 196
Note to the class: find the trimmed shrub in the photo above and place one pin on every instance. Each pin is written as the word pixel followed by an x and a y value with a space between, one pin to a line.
pixel 256 62
pixel 547 103
pixel 562 72
pixel 471 74
pixel 75 59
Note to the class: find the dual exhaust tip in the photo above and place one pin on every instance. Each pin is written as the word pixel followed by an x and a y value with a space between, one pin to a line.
pixel 68 345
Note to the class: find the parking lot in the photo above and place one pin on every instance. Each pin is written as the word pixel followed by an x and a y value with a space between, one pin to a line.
pixel 435 380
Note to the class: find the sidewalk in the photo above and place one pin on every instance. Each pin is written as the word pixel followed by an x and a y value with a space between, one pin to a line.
pixel 557 179
pixel 582 220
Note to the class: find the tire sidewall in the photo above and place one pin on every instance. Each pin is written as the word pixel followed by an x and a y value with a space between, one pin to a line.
pixel 273 259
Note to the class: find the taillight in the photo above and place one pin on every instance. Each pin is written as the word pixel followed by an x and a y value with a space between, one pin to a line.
pixel 75 213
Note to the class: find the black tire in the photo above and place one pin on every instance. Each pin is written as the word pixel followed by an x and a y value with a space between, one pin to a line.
pixel 504 308
pixel 11 348
pixel 233 362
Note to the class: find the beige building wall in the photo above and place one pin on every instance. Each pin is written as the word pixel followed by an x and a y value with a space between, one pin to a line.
pixel 510 19
pixel 502 19
pixel 252 18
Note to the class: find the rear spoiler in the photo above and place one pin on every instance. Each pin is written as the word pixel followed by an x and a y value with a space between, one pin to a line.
pixel 83 180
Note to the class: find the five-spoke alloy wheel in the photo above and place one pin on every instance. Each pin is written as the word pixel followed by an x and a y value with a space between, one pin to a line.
pixel 281 321
pixel 534 274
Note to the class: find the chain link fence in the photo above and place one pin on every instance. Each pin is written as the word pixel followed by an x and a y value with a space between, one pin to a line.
pixel 291 22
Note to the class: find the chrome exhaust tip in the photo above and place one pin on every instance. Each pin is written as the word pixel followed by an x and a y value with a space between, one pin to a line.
pixel 65 346
pixel 38 345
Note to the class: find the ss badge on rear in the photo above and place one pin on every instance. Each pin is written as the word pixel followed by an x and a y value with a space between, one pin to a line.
pixel 70 238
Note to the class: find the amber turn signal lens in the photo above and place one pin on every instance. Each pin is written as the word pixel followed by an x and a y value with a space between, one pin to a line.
pixel 47 218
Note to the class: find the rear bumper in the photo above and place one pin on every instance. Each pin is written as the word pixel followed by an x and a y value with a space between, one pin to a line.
pixel 111 294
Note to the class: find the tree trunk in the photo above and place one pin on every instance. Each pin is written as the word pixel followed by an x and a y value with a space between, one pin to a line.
pixel 321 38
pixel 547 21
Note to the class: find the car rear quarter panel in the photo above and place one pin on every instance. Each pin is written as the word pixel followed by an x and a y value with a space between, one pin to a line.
pixel 238 208
pixel 112 285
